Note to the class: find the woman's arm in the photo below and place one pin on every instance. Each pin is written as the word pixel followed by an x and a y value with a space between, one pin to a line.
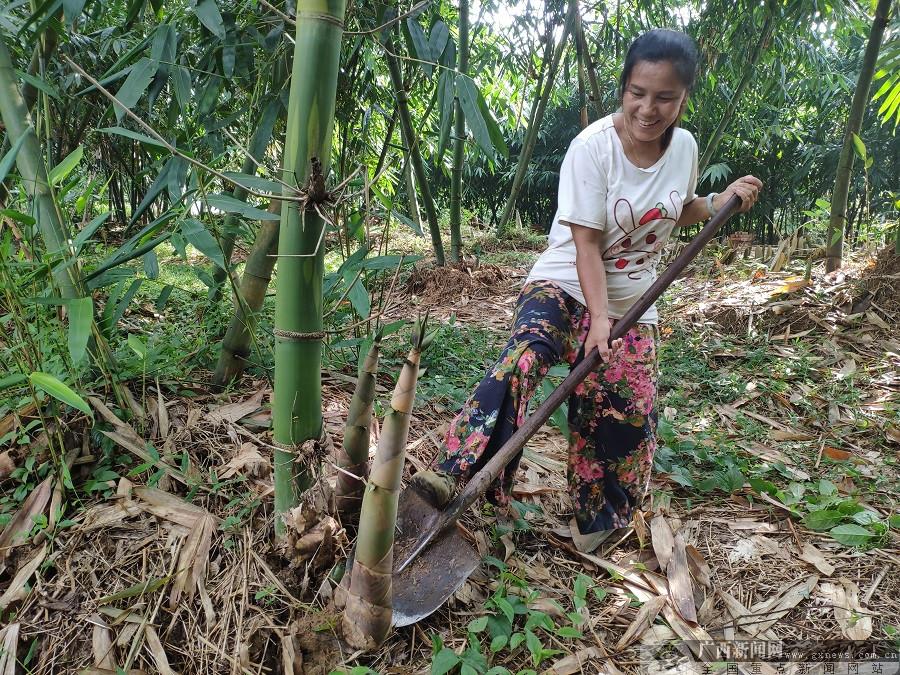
pixel 592 277
pixel 747 188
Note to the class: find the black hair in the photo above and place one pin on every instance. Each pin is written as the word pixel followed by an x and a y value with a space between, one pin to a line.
pixel 662 44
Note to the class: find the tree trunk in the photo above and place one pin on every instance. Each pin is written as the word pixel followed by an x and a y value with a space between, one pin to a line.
pixel 248 300
pixel 579 67
pixel 596 95
pixel 538 116
pixel 749 69
pixel 412 146
pixel 297 409
pixel 459 141
pixel 838 220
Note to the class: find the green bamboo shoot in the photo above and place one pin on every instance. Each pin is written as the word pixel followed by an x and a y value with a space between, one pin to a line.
pixel 297 410
pixel 352 460
pixel 367 612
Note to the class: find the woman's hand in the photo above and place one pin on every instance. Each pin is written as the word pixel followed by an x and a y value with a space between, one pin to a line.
pixel 747 188
pixel 598 336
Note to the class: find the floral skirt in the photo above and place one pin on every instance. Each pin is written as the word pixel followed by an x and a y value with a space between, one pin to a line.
pixel 612 420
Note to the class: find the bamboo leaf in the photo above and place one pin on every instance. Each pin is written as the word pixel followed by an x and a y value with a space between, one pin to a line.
pixel 10 157
pixel 135 85
pixel 137 346
pixel 151 265
pixel 181 83
pixel 421 46
pixel 446 98
pixel 468 97
pixel 18 216
pixel 860 147
pixel 39 84
pixel 408 222
pixel 133 135
pixel 81 314
pixel 201 239
pixel 142 588
pixel 438 39
pixel 229 204
pixel 496 134
pixel 208 13
pixel 59 172
pixel 72 9
pixel 359 299
pixel 62 392
pixel 255 183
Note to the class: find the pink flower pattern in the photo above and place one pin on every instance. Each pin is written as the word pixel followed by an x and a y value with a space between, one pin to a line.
pixel 612 420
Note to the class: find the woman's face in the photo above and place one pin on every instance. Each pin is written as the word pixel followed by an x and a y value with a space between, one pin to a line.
pixel 653 100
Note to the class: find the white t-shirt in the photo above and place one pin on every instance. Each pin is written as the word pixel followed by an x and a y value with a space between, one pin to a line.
pixel 636 209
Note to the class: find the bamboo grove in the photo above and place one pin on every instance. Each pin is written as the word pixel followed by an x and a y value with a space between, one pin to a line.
pixel 271 149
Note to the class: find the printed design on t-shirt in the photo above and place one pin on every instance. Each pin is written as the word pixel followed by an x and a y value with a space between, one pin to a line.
pixel 631 242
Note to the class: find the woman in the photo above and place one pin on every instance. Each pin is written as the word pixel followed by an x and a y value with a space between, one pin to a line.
pixel 626 181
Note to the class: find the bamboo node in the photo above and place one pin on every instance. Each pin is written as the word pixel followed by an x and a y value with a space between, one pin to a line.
pixel 320 16
pixel 296 336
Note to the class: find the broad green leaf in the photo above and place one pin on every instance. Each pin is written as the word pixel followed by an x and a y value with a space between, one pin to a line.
pixel 230 204
pixel 468 97
pixel 534 646
pixel 420 45
pixel 133 135
pixel 437 41
pixel 866 517
pixel 444 661
pixel 12 380
pixel 137 346
pixel 59 172
pixel 201 239
pixel 255 183
pixel 477 625
pixel 208 13
pixel 498 643
pixel 569 632
pixel 151 265
pixel 446 99
pixel 62 392
pixel 823 520
pixel 497 140
pixel 359 299
pixel 860 147
pixel 163 297
pixel 72 9
pixel 228 55
pixel 10 157
pixel 81 315
pixel 507 609
pixel 408 222
pixel 39 84
pixel 18 216
pixel 135 85
pixel 181 82
pixel 851 535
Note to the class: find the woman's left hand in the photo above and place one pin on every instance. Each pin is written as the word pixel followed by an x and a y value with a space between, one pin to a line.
pixel 747 188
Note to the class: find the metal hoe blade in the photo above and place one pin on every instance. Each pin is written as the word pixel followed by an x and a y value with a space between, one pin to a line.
pixel 437 572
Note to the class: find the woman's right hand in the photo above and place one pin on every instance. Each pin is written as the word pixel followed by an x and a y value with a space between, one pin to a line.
pixel 598 336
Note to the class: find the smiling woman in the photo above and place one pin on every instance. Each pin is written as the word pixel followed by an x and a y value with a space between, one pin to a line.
pixel 626 182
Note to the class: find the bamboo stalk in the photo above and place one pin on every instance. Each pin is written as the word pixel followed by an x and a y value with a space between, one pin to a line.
pixel 353 459
pixel 459 141
pixel 249 297
pixel 837 221
pixel 538 116
pixel 297 418
pixel 367 612
pixel 17 120
pixel 412 145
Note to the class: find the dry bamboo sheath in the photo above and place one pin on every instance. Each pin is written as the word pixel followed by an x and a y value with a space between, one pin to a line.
pixel 480 482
